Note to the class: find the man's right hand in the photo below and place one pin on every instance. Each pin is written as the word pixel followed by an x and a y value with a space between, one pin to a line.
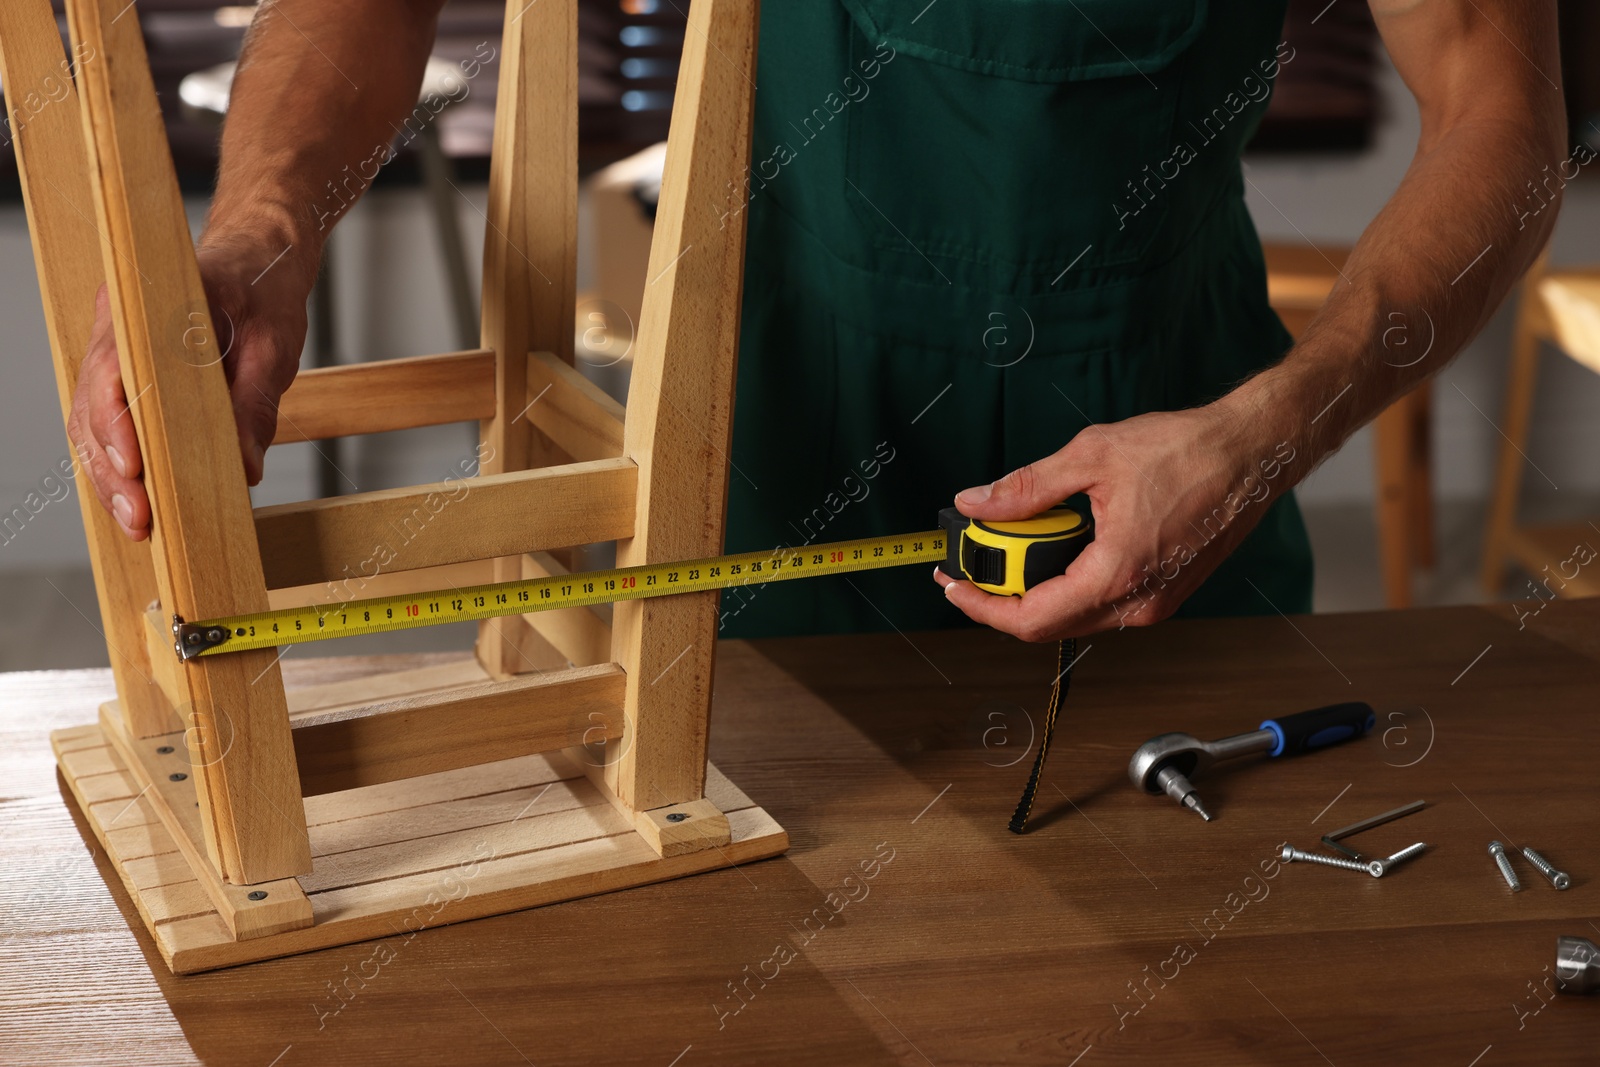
pixel 257 292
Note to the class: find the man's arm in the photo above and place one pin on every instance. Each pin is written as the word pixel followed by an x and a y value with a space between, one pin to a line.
pixel 319 93
pixel 1432 267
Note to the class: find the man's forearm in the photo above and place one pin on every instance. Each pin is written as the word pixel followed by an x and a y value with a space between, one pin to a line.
pixel 1458 232
pixel 1424 278
pixel 316 101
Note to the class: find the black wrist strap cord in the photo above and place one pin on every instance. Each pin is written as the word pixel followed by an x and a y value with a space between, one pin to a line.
pixel 1066 655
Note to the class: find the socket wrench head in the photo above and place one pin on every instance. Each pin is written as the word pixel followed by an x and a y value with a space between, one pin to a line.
pixel 1182 753
pixel 1577 965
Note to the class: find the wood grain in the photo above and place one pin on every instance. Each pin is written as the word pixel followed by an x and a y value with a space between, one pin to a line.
pixel 576 414
pixel 977 946
pixel 391 394
pixel 340 539
pixel 161 767
pixel 207 560
pixel 53 169
pixel 681 408
pixel 579 634
pixel 530 252
pixel 462 726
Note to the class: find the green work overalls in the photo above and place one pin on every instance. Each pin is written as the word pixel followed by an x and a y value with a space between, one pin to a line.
pixel 976 227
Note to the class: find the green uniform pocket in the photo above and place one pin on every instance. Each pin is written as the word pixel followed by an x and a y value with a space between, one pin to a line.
pixel 1036 40
pixel 1004 144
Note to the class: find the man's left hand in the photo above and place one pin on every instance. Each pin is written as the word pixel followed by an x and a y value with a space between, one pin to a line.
pixel 1172 494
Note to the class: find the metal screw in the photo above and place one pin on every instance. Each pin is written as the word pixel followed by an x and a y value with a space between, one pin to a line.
pixel 164 750
pixel 1559 879
pixel 1498 851
pixel 1379 868
pixel 178 777
pixel 213 634
pixel 677 816
pixel 1290 855
pixel 257 894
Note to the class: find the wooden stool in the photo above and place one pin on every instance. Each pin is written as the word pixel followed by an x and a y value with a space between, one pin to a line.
pixel 1561 308
pixel 248 823
pixel 1299 279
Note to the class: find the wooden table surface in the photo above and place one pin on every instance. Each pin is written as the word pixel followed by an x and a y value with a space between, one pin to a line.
pixel 906 925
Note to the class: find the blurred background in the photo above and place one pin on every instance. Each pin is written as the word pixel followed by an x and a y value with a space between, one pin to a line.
pixel 1400 516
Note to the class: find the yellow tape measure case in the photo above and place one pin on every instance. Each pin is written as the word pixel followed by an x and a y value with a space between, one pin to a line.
pixel 1008 558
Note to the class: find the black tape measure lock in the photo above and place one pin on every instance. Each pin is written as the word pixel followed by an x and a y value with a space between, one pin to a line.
pixel 1009 558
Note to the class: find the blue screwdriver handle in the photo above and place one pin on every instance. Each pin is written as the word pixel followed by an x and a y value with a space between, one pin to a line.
pixel 1320 727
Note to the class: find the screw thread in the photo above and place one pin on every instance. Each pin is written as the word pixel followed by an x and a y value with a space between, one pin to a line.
pixel 1379 868
pixel 1291 855
pixel 1410 852
pixel 1558 878
pixel 1538 861
pixel 1498 851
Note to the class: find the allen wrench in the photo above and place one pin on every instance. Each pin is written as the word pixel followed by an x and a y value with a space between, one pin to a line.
pixel 1333 837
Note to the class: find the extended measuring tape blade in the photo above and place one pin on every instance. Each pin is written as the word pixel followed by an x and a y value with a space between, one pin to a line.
pixel 320 622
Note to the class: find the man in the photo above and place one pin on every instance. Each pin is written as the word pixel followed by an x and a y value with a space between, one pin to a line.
pixel 979 231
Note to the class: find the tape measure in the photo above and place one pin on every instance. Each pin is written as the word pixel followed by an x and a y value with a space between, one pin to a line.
pixel 1009 558
pixel 1005 558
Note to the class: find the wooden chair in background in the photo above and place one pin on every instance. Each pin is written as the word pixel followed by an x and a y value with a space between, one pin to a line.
pixel 1561 308
pixel 247 822
pixel 1299 279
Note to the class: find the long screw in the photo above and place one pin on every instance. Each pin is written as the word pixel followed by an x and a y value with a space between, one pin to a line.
pixel 1291 855
pixel 1559 879
pixel 1378 868
pixel 1498 851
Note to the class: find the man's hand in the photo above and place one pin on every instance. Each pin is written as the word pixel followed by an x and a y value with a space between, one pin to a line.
pixel 1173 493
pixel 258 312
pixel 320 91
pixel 1170 492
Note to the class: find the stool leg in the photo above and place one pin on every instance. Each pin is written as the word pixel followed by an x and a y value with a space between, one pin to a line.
pixel 323 355
pixel 1419 487
pixel 1520 385
pixel 437 172
pixel 1392 439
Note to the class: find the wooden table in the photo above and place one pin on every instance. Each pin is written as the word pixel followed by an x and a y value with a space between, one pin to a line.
pixel 906 925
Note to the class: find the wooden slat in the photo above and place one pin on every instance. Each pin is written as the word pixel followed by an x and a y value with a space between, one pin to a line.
pixel 680 409
pixel 1572 301
pixel 530 247
pixel 579 634
pixel 53 170
pixel 121 814
pixel 487 839
pixel 104 788
pixel 591 817
pixel 572 411
pixel 310 701
pixel 383 583
pixel 411 794
pixel 167 784
pixel 166 668
pixel 207 562
pixel 428 820
pixel 486 887
pixel 458 728
pixel 392 394
pixel 446 522
pixel 1556 553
